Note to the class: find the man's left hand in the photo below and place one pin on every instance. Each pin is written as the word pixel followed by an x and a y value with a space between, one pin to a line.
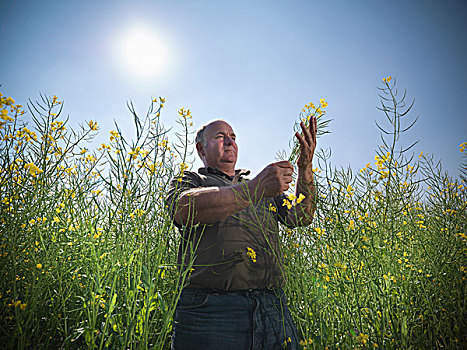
pixel 307 142
pixel 302 214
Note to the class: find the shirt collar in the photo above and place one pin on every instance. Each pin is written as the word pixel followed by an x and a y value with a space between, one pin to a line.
pixel 239 173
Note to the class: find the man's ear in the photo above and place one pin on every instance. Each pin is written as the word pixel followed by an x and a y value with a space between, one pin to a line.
pixel 200 149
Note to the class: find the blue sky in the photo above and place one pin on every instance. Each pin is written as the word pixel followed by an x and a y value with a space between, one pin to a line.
pixel 252 63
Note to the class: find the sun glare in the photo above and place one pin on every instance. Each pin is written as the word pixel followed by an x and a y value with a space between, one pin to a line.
pixel 143 52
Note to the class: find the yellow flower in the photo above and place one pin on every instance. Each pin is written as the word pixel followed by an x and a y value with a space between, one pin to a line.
pixel 183 167
pixel 319 231
pixel 23 306
pixel 300 198
pixel 323 103
pixel 287 204
pixel 252 254
pixel 33 170
pixel 4 115
pixel 93 125
pixel 39 266
pixel 272 208
pixel 54 100
pixel 134 152
pixel 90 158
pixel 9 101
pixel 291 197
pixel 137 212
pixel 387 80
pixel 114 135
pixel 362 338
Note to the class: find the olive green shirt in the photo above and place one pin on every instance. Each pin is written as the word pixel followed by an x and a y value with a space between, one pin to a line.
pixel 239 253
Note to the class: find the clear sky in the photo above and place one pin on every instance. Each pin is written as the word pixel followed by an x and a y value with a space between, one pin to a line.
pixel 252 63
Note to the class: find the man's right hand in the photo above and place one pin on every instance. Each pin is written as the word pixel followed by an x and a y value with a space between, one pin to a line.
pixel 273 179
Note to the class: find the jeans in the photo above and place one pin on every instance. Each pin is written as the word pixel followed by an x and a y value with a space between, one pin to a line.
pixel 244 320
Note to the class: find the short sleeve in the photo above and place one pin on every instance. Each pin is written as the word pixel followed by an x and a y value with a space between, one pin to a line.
pixel 177 186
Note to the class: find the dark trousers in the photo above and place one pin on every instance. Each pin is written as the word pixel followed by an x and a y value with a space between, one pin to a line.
pixel 243 320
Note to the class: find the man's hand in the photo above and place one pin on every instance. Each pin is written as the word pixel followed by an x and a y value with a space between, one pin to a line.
pixel 302 213
pixel 307 146
pixel 273 180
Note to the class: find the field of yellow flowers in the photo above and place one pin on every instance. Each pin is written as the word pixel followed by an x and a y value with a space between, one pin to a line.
pixel 88 252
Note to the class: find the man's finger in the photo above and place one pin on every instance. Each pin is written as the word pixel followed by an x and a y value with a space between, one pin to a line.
pixel 301 140
pixel 283 164
pixel 299 137
pixel 287 171
pixel 315 126
pixel 305 143
pixel 307 133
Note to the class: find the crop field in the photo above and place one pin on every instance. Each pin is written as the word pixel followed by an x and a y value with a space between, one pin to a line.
pixel 88 250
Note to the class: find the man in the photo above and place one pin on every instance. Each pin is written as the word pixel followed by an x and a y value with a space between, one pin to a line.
pixel 229 227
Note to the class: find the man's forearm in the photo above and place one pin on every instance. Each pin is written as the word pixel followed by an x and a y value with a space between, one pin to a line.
pixel 211 204
pixel 302 214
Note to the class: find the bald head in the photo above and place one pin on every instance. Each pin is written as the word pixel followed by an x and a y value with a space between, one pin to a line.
pixel 216 146
pixel 200 133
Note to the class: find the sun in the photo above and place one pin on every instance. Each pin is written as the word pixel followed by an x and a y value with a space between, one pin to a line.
pixel 143 52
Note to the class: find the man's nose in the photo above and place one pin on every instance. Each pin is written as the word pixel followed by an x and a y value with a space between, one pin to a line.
pixel 228 140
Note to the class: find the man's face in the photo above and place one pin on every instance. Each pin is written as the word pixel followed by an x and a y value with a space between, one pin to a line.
pixel 221 149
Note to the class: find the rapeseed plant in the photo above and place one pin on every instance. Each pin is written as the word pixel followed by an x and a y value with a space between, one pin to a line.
pixel 88 251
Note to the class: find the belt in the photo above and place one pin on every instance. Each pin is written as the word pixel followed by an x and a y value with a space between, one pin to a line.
pixel 245 292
